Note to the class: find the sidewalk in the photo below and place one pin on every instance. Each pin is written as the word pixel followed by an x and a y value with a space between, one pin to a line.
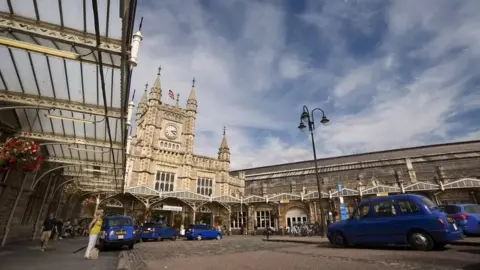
pixel 317 240
pixel 61 254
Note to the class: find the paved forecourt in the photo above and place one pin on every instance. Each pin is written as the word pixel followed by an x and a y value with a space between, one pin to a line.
pixel 65 254
pixel 250 252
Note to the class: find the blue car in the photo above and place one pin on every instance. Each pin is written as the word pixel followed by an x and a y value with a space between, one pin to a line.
pixel 466 216
pixel 158 231
pixel 202 231
pixel 117 231
pixel 399 219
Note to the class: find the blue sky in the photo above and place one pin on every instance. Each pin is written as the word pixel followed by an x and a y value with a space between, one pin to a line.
pixel 389 74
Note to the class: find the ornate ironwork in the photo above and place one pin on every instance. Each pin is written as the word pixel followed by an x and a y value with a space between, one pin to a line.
pixel 65 139
pixel 79 162
pixel 112 202
pixel 381 189
pixel 50 103
pixel 89 176
pixel 53 32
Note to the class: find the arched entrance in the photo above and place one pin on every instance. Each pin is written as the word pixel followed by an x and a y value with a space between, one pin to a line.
pixel 204 215
pixel 112 207
pixel 295 216
pixel 171 210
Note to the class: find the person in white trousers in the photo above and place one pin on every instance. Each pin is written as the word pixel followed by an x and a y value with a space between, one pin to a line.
pixel 94 229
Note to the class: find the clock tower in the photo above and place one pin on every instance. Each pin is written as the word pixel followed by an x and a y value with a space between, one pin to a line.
pixel 162 156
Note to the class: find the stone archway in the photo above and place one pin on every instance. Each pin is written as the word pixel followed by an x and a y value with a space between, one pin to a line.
pixel 220 214
pixel 172 210
pixel 112 206
pixel 295 216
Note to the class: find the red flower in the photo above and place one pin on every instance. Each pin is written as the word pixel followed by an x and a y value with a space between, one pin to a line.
pixel 12 160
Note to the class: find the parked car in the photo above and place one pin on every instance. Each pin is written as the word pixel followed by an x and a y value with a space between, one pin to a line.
pixel 399 219
pixel 202 231
pixel 158 231
pixel 137 231
pixel 117 231
pixel 466 216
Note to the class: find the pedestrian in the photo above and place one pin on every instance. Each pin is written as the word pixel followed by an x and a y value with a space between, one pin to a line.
pixel 94 229
pixel 47 228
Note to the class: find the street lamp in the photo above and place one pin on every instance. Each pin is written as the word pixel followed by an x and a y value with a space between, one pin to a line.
pixel 307 120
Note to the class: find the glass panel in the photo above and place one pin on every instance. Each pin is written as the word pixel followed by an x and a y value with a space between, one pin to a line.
pixel 198 190
pixel 198 182
pixel 171 187
pixel 163 177
pixel 161 187
pixel 157 186
pixel 158 176
pixel 472 209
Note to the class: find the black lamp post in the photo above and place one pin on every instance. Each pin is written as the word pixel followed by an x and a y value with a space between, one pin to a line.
pixel 307 120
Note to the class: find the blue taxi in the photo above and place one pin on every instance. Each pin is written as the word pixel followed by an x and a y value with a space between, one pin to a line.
pixel 405 219
pixel 202 231
pixel 117 231
pixel 158 231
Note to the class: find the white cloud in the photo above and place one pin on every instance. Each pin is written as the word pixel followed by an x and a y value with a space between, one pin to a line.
pixel 253 80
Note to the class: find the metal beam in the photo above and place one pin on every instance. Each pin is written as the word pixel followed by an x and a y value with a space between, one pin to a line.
pixel 67 139
pixel 54 32
pixel 30 47
pixel 90 176
pixel 97 189
pixel 61 104
pixel 79 162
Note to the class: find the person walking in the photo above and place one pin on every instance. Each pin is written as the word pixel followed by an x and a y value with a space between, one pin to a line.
pixel 47 228
pixel 94 229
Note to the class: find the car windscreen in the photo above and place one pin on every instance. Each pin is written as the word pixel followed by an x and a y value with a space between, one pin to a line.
pixel 428 203
pixel 117 222
pixel 472 209
pixel 148 225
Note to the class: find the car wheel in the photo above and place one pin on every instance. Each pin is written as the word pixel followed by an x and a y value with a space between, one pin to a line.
pixel 199 237
pixel 219 237
pixel 174 238
pixel 421 241
pixel 339 240
pixel 159 238
pixel 131 246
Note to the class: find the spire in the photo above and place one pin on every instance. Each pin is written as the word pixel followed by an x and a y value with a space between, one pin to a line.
pixel 192 92
pixel 224 144
pixel 143 101
pixel 224 151
pixel 156 91
pixel 192 98
pixel 178 99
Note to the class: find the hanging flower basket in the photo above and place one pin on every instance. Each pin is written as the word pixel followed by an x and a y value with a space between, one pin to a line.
pixel 21 152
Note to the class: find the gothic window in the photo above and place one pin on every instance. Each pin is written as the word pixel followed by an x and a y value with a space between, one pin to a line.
pixel 264 219
pixel 164 181
pixel 205 186
pixel 238 219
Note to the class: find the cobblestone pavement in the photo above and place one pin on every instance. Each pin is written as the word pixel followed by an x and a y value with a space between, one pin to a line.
pixel 247 252
pixel 58 256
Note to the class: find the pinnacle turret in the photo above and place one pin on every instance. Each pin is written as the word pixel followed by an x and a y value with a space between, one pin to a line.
pixel 224 151
pixel 156 92
pixel 192 99
pixel 142 105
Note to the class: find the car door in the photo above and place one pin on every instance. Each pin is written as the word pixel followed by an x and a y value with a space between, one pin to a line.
pixel 355 227
pixel 383 227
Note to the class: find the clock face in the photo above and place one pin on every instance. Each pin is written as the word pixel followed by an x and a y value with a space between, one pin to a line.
pixel 171 132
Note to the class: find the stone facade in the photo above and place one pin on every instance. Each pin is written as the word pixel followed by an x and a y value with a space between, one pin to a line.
pixel 161 150
pixel 26 203
pixel 437 165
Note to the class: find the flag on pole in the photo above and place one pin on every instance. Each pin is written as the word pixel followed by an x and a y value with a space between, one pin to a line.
pixel 171 94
